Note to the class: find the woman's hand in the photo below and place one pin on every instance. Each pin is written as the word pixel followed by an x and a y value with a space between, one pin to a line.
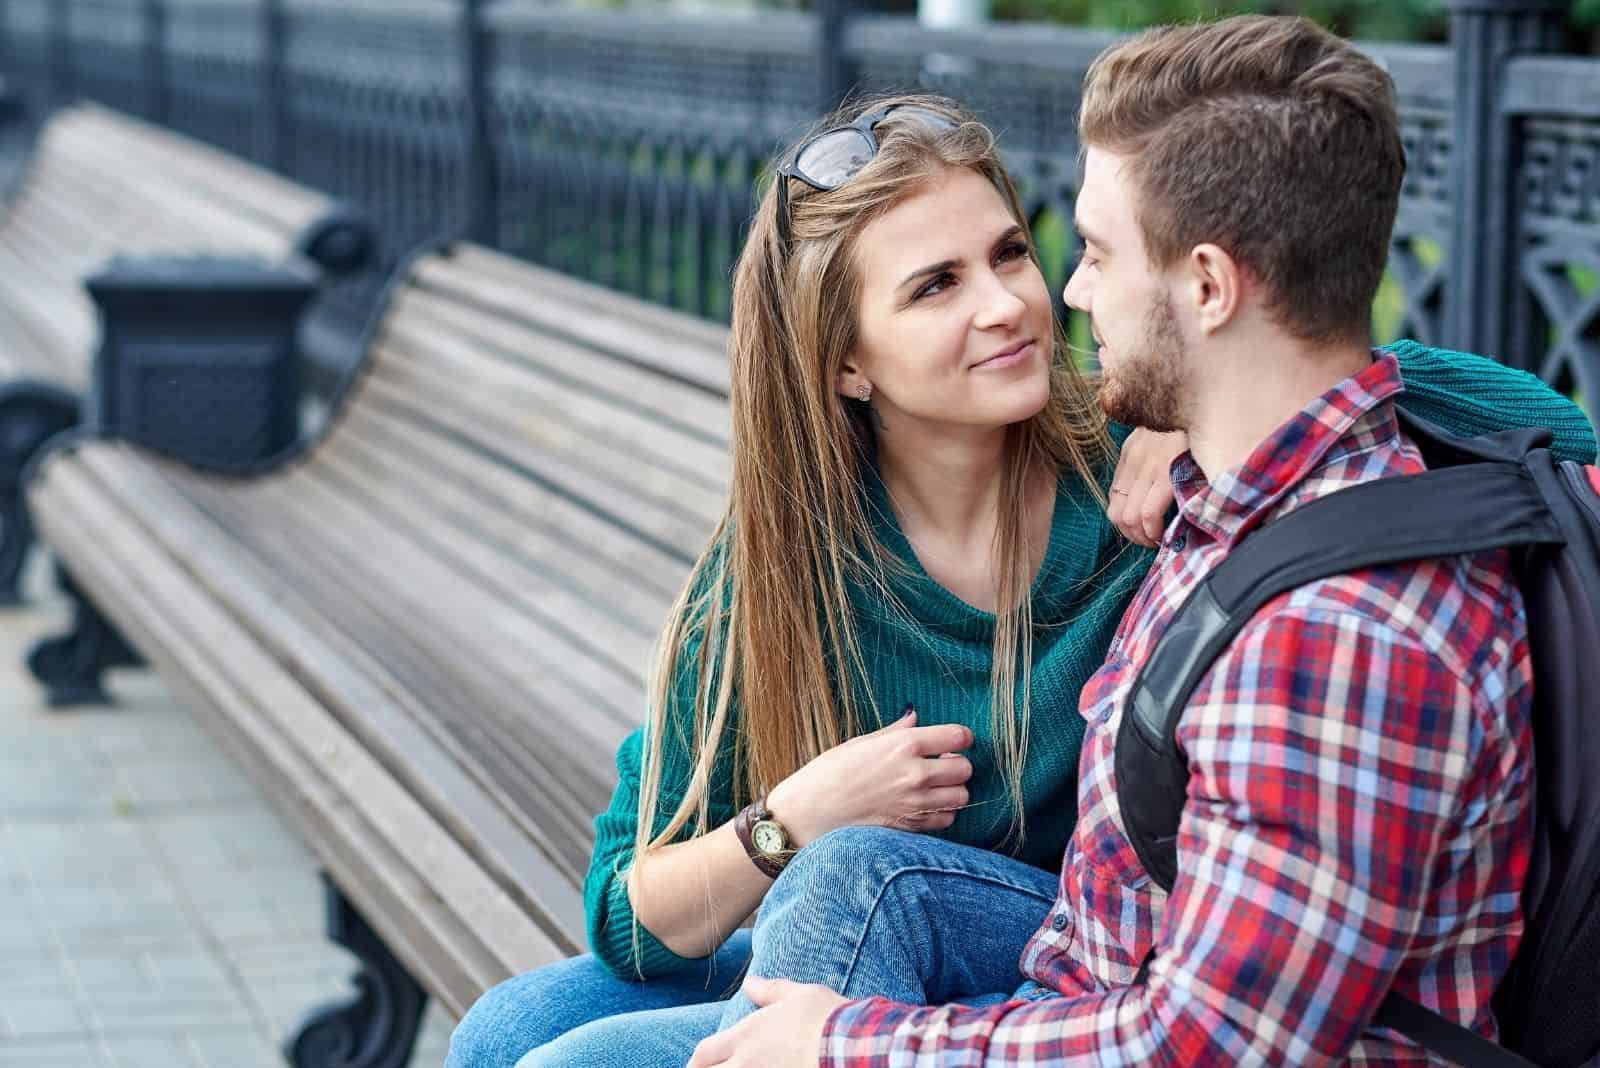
pixel 901 776
pixel 1141 490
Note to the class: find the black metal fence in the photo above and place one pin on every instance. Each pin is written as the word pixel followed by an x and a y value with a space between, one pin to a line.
pixel 628 147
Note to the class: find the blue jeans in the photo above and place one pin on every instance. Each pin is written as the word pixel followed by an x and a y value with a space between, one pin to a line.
pixel 864 911
pixel 575 1012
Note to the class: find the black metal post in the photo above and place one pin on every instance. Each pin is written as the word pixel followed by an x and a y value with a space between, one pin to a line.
pixel 480 186
pixel 1487 309
pixel 834 72
pixel 276 145
pixel 156 95
pixel 60 16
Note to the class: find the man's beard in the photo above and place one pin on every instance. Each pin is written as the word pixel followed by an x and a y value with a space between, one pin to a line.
pixel 1145 386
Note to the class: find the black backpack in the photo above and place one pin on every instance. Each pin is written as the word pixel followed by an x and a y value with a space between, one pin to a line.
pixel 1500 491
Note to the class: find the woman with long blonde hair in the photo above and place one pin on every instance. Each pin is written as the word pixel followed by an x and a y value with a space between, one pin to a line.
pixel 915 575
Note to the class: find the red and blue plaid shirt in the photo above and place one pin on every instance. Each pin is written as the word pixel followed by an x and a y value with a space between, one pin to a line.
pixel 1358 818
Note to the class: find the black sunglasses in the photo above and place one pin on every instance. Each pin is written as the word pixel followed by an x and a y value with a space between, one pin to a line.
pixel 837 154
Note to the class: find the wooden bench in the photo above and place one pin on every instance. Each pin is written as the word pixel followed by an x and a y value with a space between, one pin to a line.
pixel 426 635
pixel 101 184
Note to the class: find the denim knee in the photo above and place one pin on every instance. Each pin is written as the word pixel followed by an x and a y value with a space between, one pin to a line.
pixel 845 857
pixel 513 1017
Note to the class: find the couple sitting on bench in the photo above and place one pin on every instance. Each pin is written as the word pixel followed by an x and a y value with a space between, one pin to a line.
pixel 887 707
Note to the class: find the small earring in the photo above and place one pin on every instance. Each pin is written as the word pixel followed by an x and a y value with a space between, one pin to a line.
pixel 864 391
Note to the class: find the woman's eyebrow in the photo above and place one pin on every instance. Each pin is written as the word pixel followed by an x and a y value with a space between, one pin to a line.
pixel 933 268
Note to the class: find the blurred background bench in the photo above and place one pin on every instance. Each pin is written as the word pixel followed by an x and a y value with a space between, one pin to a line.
pixel 101 184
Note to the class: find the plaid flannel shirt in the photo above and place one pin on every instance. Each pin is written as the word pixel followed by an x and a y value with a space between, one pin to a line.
pixel 1358 818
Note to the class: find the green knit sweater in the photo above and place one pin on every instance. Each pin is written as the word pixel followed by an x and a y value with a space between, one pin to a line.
pixel 936 655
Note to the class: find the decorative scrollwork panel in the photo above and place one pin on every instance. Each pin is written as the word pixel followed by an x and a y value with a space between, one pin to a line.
pixel 1559 188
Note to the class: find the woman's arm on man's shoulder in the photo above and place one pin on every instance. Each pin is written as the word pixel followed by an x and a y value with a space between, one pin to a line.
pixel 1472 395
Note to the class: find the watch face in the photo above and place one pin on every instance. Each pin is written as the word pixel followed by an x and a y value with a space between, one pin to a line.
pixel 769 837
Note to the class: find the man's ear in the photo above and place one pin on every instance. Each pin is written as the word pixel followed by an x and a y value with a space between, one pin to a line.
pixel 1216 287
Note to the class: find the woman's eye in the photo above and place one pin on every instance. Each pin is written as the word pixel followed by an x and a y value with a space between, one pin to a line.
pixel 936 285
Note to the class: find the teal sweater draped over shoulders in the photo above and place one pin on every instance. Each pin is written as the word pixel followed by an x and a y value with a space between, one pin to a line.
pixel 933 651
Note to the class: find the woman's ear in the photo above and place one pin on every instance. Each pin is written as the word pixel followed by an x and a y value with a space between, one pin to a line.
pixel 850 379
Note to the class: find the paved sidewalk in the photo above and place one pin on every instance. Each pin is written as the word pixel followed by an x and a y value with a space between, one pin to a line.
pixel 153 909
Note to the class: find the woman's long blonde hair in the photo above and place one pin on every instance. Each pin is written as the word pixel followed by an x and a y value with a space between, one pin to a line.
pixel 769 605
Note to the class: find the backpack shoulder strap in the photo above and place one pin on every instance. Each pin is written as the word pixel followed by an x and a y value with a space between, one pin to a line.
pixel 1449 512
pixel 1487 504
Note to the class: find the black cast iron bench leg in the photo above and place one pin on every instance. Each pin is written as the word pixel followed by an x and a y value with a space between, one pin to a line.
pixel 72 665
pixel 31 413
pixel 375 1028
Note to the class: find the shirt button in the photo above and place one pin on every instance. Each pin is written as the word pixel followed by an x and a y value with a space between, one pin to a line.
pixel 1178 543
pixel 1058 922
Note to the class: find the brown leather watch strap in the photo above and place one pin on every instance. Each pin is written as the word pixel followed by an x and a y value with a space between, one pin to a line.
pixel 743 824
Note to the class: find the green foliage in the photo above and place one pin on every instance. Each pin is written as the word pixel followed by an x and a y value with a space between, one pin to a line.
pixel 1381 20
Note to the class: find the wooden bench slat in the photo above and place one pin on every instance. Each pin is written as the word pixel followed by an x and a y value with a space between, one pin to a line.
pixel 523 500
pixel 612 322
pixel 583 448
pixel 506 391
pixel 239 182
pixel 463 503
pixel 699 413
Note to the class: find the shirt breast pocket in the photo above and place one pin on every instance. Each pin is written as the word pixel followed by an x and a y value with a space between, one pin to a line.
pixel 1098 698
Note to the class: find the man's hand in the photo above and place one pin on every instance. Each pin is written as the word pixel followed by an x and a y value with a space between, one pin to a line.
pixel 785 1032
pixel 1141 490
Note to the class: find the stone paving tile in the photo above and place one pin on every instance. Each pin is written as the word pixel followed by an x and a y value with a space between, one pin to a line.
pixel 164 990
pixel 110 917
pixel 153 781
pixel 41 784
pixel 83 1052
pixel 24 934
pixel 434 1041
pixel 39 998
pixel 86 854
pixel 260 914
pixel 223 1049
pixel 220 850
pixel 13 873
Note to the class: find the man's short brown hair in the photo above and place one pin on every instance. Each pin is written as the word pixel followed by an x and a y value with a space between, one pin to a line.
pixel 1273 139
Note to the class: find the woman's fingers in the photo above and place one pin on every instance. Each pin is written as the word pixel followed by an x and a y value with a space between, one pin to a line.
pixel 937 739
pixel 1141 490
pixel 1152 518
pixel 949 771
pixel 943 799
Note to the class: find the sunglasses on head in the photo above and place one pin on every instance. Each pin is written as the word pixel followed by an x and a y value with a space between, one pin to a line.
pixel 834 156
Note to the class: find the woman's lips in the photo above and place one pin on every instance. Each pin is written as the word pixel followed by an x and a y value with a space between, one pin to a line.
pixel 1009 358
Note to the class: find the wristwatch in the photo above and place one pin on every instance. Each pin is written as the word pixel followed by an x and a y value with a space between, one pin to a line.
pixel 763 837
